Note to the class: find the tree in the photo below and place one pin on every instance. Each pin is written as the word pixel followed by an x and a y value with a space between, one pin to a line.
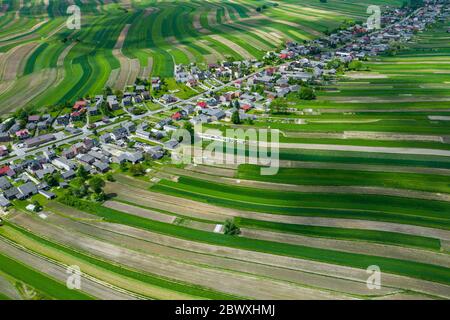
pixel 98 197
pixel 278 106
pixel 82 172
pixel 123 167
pixel 96 184
pixel 110 177
pixel 189 128
pixel 137 170
pixel 355 65
pixel 306 93
pixel 51 179
pixel 78 187
pixel 231 228
pixel 37 206
pixel 235 118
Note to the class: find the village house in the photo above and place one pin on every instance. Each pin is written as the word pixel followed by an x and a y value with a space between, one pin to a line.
pixel 36 141
pixel 69 174
pixel 129 126
pixel 171 144
pixel 105 138
pixel 4 183
pixel 63 163
pixel 23 134
pixel 100 166
pixel 119 133
pixel 156 152
pixel 26 190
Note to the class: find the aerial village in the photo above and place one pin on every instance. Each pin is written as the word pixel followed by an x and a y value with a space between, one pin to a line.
pixel 40 153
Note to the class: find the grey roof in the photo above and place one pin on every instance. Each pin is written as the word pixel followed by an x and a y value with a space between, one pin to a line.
pixel 4 202
pixel 4 183
pixel 40 139
pixel 68 174
pixel 135 156
pixel 87 158
pixel 100 165
pixel 68 163
pixel 171 144
pixel 28 189
pixel 47 194
pixel 105 136
pixel 11 193
pixel 218 113
pixel 120 132
pixel 41 173
pixel 98 155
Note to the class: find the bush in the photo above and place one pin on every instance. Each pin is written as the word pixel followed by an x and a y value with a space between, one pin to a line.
pixel 96 184
pixel 231 228
pixel 306 94
pixel 137 170
pixel 355 65
pixel 235 118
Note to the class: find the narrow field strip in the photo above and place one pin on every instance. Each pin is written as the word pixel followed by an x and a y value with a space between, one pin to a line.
pixel 132 237
pixel 90 286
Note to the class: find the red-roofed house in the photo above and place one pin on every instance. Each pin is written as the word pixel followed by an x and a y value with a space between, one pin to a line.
pixel 270 71
pixel 76 115
pixel 177 116
pixel 80 105
pixel 22 134
pixel 202 104
pixel 4 170
pixel 246 107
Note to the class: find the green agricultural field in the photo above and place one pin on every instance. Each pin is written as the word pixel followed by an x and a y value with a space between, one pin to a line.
pixel 83 62
pixel 363 177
